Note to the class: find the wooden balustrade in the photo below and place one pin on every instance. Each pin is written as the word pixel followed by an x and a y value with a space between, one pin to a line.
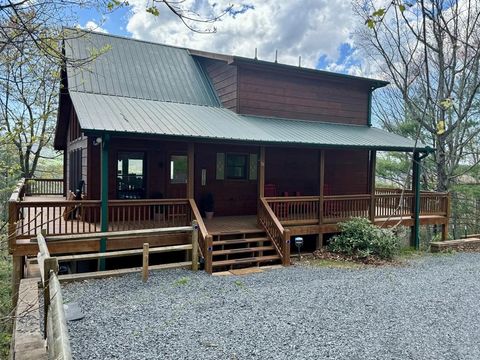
pixel 394 205
pixel 44 187
pixel 303 210
pixel 295 209
pixel 148 213
pixel 342 207
pixel 72 217
pixel 434 203
pixel 279 236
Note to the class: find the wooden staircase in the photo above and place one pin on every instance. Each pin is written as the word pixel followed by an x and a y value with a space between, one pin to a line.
pixel 242 249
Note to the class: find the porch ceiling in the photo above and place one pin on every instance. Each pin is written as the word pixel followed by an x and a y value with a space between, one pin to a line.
pixel 125 115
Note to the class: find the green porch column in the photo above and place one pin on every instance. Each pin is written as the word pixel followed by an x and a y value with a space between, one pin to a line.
pixel 415 241
pixel 104 196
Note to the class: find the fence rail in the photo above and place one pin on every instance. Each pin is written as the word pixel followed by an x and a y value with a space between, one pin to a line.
pixel 55 331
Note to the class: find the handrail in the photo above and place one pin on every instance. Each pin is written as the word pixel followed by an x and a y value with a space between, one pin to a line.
pixel 279 236
pixel 201 226
pixel 55 324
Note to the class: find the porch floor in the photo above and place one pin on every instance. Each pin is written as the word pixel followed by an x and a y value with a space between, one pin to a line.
pixel 231 224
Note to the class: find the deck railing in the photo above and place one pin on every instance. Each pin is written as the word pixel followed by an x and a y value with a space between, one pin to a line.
pixel 304 210
pixel 44 187
pixel 61 217
pixel 279 236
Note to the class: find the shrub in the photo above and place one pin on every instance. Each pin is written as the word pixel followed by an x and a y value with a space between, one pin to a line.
pixel 361 239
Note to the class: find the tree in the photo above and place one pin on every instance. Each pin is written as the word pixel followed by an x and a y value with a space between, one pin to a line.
pixel 39 23
pixel 28 100
pixel 430 51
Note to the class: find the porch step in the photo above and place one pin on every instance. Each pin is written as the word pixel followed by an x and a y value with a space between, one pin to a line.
pixel 240 241
pixel 242 250
pixel 257 259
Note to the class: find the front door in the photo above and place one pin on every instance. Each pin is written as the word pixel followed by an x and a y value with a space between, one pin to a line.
pixel 177 176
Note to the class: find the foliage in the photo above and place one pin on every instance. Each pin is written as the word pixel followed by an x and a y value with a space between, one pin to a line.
pixel 360 238
pixel 429 52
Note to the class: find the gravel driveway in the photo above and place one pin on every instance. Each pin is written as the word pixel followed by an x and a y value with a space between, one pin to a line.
pixel 429 309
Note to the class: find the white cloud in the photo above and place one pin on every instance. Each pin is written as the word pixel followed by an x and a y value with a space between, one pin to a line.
pixel 308 28
pixel 93 26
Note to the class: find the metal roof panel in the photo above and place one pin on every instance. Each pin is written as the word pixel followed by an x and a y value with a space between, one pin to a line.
pixel 97 112
pixel 136 69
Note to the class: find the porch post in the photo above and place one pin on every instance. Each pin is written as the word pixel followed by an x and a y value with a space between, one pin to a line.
pixel 415 239
pixel 261 173
pixel 191 170
pixel 373 165
pixel 104 197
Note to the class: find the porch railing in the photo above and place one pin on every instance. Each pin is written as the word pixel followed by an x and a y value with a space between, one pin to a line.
pixel 44 187
pixel 304 210
pixel 62 217
pixel 279 236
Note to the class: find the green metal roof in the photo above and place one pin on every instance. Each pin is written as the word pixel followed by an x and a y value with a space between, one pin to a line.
pixel 99 113
pixel 136 69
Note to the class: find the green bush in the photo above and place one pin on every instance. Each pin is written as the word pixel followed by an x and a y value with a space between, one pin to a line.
pixel 361 239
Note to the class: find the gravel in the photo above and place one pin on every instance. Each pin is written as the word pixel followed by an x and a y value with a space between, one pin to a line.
pixel 428 309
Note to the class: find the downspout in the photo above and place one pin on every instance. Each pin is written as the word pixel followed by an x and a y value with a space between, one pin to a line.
pixel 104 197
pixel 417 158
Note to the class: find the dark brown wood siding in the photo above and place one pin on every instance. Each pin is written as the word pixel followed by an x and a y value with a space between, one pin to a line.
pixel 293 171
pixel 232 197
pixel 291 95
pixel 224 81
pixel 346 172
pixel 76 142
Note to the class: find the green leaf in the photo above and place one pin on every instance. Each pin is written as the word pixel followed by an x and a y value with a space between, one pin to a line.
pixel 379 13
pixel 370 23
pixel 153 10
pixel 401 7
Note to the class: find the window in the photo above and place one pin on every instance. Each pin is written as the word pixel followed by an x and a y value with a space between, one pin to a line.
pixel 236 166
pixel 130 175
pixel 178 169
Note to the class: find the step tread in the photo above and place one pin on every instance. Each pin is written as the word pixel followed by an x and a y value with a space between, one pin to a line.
pixel 239 241
pixel 242 250
pixel 245 260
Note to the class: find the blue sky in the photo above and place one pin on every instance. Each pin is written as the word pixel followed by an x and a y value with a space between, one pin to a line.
pixel 319 30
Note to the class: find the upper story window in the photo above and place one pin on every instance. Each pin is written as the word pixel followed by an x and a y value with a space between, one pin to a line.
pixel 236 166
pixel 131 175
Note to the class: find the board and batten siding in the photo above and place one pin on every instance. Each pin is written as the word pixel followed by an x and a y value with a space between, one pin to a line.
pixel 76 140
pixel 292 95
pixel 224 80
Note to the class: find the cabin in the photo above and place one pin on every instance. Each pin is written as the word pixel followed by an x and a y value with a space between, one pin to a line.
pixel 257 152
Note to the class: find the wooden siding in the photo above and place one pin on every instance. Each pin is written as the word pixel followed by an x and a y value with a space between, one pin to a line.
pixel 292 95
pixel 76 140
pixel 346 172
pixel 224 81
pixel 293 170
pixel 232 197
